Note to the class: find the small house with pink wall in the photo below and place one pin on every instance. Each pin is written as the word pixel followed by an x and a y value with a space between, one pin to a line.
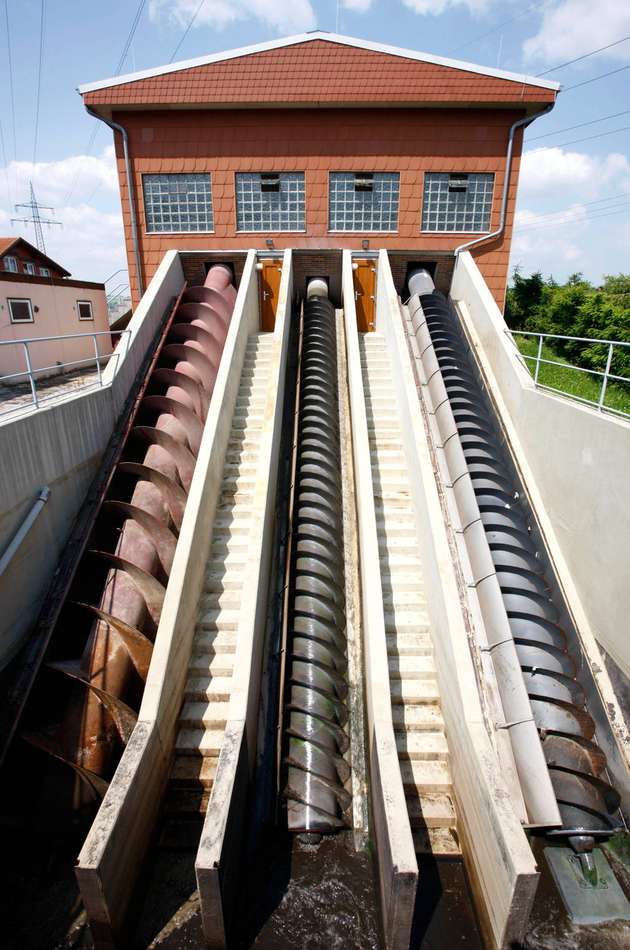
pixel 38 298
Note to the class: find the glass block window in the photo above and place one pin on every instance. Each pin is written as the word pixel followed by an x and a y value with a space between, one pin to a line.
pixel 363 201
pixel 270 201
pixel 457 202
pixel 178 203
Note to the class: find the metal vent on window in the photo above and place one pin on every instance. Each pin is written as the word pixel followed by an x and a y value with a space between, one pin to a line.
pixel 364 181
pixel 458 183
pixel 269 181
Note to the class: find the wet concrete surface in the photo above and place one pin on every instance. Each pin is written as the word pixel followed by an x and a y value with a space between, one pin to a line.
pixel 550 927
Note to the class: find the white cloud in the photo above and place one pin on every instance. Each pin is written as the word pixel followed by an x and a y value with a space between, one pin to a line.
pixel 285 16
pixel 54 181
pixel 90 244
pixel 553 170
pixel 437 7
pixel 357 6
pixel 571 214
pixel 572 27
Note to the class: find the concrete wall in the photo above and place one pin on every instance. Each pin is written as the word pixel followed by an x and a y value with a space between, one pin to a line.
pixel 316 142
pixel 579 459
pixel 116 844
pixel 61 446
pixel 57 315
pixel 396 860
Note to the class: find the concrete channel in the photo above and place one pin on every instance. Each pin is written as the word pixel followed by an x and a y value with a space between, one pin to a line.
pixel 433 822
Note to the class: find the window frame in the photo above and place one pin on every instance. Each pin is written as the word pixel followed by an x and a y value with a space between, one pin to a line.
pixel 26 300
pixel 145 175
pixel 44 271
pixel 15 268
pixel 89 319
pixel 488 230
pixel 238 230
pixel 30 269
pixel 360 172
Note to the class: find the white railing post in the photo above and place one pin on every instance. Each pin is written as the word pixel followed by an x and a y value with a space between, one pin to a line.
pixel 538 357
pixel 98 364
pixel 602 395
pixel 29 370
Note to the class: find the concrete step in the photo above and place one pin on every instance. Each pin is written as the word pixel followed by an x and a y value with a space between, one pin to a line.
pixel 411 667
pixel 205 742
pixel 220 580
pixel 217 619
pixel 431 810
pixel 409 644
pixel 414 690
pixel 436 841
pixel 186 801
pixel 418 717
pixel 217 641
pixel 209 715
pixel 191 771
pixel 430 746
pixel 199 689
pixel 421 776
pixel 209 664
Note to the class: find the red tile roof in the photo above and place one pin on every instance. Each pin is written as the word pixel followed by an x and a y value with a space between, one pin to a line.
pixel 318 71
pixel 9 243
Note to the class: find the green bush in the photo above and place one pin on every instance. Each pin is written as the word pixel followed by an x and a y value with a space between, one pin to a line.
pixel 575 308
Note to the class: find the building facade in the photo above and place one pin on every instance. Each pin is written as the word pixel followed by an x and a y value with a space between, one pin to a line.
pixel 50 304
pixel 318 141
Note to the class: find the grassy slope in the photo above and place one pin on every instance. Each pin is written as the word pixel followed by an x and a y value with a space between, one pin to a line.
pixel 572 381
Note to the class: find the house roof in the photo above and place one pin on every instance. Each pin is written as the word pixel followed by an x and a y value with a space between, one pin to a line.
pixel 318 69
pixel 11 244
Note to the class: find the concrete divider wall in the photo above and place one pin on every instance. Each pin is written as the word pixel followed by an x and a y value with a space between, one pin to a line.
pixel 565 443
pixel 219 856
pixel 115 846
pixel 61 445
pixel 499 860
pixel 397 867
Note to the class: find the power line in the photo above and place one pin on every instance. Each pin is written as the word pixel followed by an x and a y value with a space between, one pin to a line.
pixel 586 204
pixel 586 138
pixel 595 78
pixel 39 78
pixel 132 31
pixel 187 30
pixel 568 128
pixel 10 59
pixel 572 220
pixel 495 29
pixel 97 125
pixel 6 166
pixel 578 59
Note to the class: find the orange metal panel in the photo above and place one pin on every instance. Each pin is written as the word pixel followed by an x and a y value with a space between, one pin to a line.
pixel 365 293
pixel 270 275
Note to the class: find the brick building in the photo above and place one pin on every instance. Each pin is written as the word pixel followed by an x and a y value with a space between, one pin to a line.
pixel 319 141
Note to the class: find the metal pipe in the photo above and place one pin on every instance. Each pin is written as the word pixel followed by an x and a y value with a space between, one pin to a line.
pixel 506 181
pixel 24 529
pixel 132 201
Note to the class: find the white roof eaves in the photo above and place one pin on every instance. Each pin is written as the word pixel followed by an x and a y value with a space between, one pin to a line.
pixel 309 37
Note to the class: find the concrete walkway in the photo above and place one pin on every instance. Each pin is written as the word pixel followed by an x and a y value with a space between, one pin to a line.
pixel 19 397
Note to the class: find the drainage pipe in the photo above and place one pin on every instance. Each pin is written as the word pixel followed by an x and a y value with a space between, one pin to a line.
pixel 317 683
pixel 24 529
pixel 132 200
pixel 506 182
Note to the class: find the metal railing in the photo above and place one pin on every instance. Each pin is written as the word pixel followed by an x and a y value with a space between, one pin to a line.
pixel 604 375
pixel 59 369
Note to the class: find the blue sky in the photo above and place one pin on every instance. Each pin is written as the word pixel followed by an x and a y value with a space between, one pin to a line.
pixel 574 203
